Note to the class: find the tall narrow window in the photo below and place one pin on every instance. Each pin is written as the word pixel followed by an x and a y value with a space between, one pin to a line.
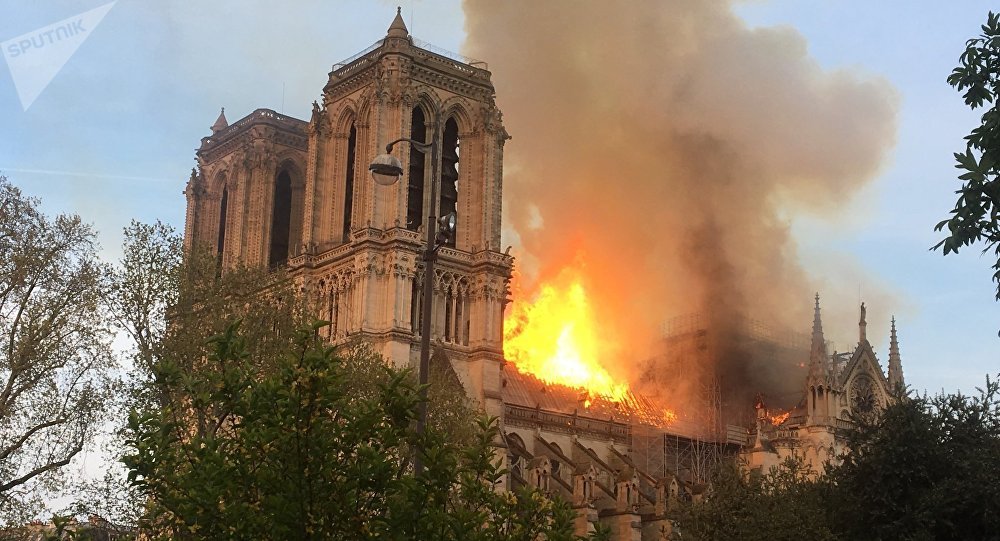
pixel 449 318
pixel 449 170
pixel 223 208
pixel 415 186
pixel 281 218
pixel 349 183
pixel 334 312
pixel 416 305
pixel 460 336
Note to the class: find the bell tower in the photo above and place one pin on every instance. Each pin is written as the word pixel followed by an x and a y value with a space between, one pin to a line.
pixel 280 191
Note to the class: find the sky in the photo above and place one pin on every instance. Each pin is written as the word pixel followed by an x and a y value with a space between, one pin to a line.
pixel 112 136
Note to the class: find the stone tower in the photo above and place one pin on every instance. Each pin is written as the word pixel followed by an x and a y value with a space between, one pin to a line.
pixel 275 190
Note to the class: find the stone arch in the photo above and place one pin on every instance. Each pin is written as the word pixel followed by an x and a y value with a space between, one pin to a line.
pixel 465 192
pixel 418 129
pixel 292 160
pixel 457 107
pixel 425 97
pixel 220 180
pixel 347 148
pixel 515 460
pixel 450 176
pixel 364 107
pixel 345 117
pixel 516 440
pixel 287 205
pixel 219 202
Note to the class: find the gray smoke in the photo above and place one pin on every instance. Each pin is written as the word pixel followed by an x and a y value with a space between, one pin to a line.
pixel 660 142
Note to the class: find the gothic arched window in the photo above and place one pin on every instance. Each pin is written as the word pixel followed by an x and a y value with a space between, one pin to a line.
pixel 416 304
pixel 223 214
pixel 349 183
pixel 415 178
pixel 449 170
pixel 281 219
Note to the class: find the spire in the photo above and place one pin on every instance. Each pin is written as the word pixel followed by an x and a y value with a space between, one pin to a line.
pixel 895 362
pixel 862 326
pixel 398 29
pixel 220 123
pixel 818 357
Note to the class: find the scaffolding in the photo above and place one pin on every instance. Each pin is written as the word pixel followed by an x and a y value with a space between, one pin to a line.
pixel 707 432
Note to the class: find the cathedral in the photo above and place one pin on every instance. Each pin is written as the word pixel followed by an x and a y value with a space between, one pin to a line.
pixel 272 190
pixel 838 388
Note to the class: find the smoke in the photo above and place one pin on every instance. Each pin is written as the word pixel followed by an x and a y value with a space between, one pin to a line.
pixel 661 143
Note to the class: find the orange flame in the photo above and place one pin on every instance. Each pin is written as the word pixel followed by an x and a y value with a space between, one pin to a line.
pixel 778 419
pixel 555 337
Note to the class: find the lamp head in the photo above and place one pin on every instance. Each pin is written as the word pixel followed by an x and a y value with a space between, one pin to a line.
pixel 386 169
pixel 447 223
pixel 446 228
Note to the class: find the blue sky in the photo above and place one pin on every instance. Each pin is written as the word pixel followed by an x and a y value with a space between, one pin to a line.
pixel 112 137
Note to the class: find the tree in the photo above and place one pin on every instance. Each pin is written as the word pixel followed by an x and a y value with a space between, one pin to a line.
pixel 926 469
pixel 54 349
pixel 785 503
pixel 166 301
pixel 976 216
pixel 298 453
pixel 144 285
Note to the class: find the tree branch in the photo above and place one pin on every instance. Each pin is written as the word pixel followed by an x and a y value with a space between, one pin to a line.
pixel 41 469
pixel 27 435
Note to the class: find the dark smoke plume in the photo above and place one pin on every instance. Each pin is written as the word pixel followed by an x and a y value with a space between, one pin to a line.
pixel 661 143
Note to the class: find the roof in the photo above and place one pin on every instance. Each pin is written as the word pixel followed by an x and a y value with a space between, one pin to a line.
pixel 528 391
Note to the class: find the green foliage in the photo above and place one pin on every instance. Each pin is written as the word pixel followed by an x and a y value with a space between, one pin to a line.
pixel 786 503
pixel 155 281
pixel 976 216
pixel 927 469
pixel 302 451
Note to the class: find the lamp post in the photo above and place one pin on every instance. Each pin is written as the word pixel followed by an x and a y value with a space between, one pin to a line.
pixel 386 170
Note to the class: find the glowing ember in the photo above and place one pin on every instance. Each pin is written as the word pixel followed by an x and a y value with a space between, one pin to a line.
pixel 557 339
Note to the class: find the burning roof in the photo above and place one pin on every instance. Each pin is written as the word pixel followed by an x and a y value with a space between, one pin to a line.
pixel 528 391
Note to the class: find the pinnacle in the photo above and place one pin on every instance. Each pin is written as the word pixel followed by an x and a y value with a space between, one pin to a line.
pixel 220 123
pixel 817 322
pixel 895 362
pixel 817 355
pixel 398 29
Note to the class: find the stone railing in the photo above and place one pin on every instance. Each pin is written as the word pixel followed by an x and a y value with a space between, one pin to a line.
pixel 463 62
pixel 566 423
pixel 266 116
pixel 843 424
pixel 348 61
pixel 421 49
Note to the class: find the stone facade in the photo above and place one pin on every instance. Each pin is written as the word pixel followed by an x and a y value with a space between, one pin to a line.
pixel 274 190
pixel 839 387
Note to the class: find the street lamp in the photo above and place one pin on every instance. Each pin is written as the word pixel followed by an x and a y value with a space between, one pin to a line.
pixel 386 170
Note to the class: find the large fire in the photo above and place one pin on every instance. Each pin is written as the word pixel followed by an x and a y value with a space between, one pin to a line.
pixel 555 337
